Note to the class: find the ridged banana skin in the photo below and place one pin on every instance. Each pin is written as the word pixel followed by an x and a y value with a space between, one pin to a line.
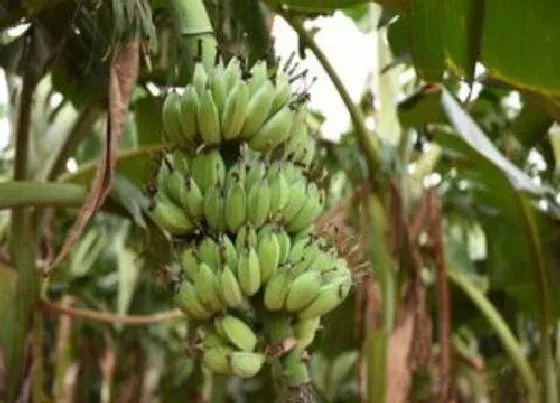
pixel 232 73
pixel 298 249
pixel 209 253
pixel 171 117
pixel 208 119
pixel 305 330
pixel 311 253
pixel 258 110
pixel 268 252
pixel 214 205
pixel 256 172
pixel 279 191
pixel 274 131
pixel 246 237
pixel 189 114
pixel 180 161
pixel 217 84
pixel 306 156
pixel 229 287
pixel 189 262
pixel 186 299
pixel 298 197
pixel 328 298
pixel 217 360
pixel 303 291
pixel 236 331
pixel 207 288
pixel 292 173
pixel 236 206
pixel 284 243
pixel 283 92
pixel 246 365
pixel 235 111
pixel 248 272
pixel 310 210
pixel 170 217
pixel 258 203
pixel 200 77
pixel 297 140
pixel 192 199
pixel 208 170
pixel 228 253
pixel 173 186
pixel 276 290
pixel 259 76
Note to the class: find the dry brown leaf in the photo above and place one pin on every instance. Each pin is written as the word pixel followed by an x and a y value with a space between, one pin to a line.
pixel 123 75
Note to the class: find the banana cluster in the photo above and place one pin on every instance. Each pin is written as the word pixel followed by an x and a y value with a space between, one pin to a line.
pixel 202 193
pixel 221 106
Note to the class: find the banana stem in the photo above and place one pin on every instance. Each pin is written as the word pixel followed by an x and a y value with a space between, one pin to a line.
pixel 295 369
pixel 276 327
pixel 24 193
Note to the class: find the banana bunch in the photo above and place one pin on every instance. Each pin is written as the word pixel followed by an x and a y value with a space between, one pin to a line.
pixel 220 105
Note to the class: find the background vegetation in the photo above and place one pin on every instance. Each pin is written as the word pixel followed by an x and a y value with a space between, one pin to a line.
pixel 447 208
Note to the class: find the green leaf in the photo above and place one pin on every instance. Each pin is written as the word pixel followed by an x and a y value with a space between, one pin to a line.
pixel 532 123
pixel 149 124
pixel 422 108
pixel 520 43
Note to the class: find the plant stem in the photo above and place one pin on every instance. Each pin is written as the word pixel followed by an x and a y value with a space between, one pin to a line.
pixel 27 193
pixel 368 142
pixel 510 343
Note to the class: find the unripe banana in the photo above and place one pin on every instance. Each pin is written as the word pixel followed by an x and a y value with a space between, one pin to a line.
pixel 298 249
pixel 186 299
pixel 235 111
pixel 328 298
pixel 276 290
pixel 258 110
pixel 232 74
pixel 246 237
pixel 211 339
pixel 284 244
pixel 274 131
pixel 236 331
pixel 268 252
pixel 171 117
pixel 218 87
pixel 217 360
pixel 208 170
pixel 189 114
pixel 180 162
pixel 259 76
pixel 283 92
pixel 208 119
pixel 248 272
pixel 214 208
pixel 200 77
pixel 305 330
pixel 307 154
pixel 297 199
pixel 256 172
pixel 258 203
pixel 189 262
pixel 297 140
pixel 170 217
pixel 207 288
pixel 192 199
pixel 303 291
pixel 310 210
pixel 279 190
pixel 228 252
pixel 236 205
pixel 310 255
pixel 292 173
pixel 229 288
pixel 246 365
pixel 173 185
pixel 209 253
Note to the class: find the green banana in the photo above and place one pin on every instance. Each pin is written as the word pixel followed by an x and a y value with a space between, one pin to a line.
pixel 208 119
pixel 258 110
pixel 171 117
pixel 310 210
pixel 189 114
pixel 217 84
pixel 207 288
pixel 328 298
pixel 297 140
pixel 284 244
pixel 192 199
pixel 229 288
pixel 246 237
pixel 208 170
pixel 283 92
pixel 256 172
pixel 248 272
pixel 279 190
pixel 274 131
pixel 173 185
pixel 298 249
pixel 199 78
pixel 245 364
pixel 186 299
pixel 236 331
pixel 232 73
pixel 217 360
pixel 189 262
pixel 259 77
pixel 180 161
pixel 214 208
pixel 276 290
pixel 311 254
pixel 258 203
pixel 268 252
pixel 228 252
pixel 303 291
pixel 292 173
pixel 235 111
pixel 236 205
pixel 209 253
pixel 170 217
pixel 297 199
pixel 305 330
